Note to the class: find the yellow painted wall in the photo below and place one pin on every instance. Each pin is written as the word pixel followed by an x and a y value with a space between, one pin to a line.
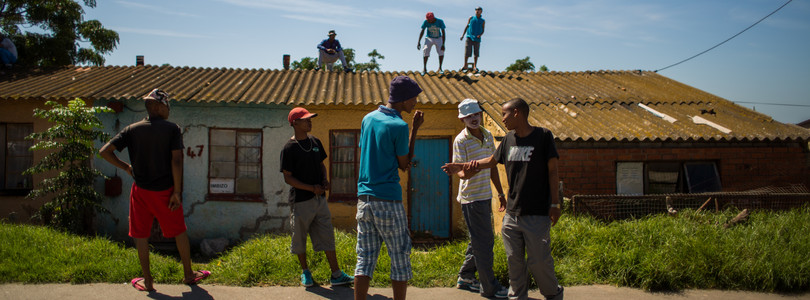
pixel 440 120
pixel 22 111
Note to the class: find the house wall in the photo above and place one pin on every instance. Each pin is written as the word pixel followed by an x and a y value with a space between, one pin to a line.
pixel 208 218
pixel 16 208
pixel 440 120
pixel 592 171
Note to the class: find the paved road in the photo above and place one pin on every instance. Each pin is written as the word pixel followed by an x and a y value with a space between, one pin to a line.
pixel 205 291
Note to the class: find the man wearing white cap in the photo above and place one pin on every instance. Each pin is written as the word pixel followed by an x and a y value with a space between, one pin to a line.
pixel 475 196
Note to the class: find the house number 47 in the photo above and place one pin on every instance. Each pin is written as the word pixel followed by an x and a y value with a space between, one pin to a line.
pixel 190 151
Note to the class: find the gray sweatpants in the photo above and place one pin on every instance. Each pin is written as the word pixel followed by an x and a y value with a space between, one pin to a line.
pixel 478 216
pixel 529 234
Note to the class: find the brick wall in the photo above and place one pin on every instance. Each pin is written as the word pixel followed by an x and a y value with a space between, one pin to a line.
pixel 591 170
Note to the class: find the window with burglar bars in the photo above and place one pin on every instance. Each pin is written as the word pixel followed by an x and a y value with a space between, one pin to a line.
pixel 15 157
pixel 235 164
pixel 343 164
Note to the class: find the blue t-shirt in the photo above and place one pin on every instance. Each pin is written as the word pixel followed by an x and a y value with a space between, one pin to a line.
pixel 383 137
pixel 434 30
pixel 475 28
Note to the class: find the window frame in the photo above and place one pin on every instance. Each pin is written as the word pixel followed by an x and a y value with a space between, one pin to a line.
pixel 4 155
pixel 347 197
pixel 682 185
pixel 235 197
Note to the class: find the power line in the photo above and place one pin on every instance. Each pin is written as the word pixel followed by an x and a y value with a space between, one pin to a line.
pixel 723 42
pixel 775 104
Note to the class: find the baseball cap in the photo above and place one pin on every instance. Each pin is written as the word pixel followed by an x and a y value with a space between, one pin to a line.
pixel 159 95
pixel 468 107
pixel 478 8
pixel 299 113
pixel 402 88
pixel 331 32
pixel 429 16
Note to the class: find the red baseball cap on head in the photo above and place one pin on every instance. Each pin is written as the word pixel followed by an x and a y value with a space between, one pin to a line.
pixel 299 113
pixel 429 16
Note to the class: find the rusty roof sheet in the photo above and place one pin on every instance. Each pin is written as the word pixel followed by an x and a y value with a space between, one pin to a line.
pixel 576 106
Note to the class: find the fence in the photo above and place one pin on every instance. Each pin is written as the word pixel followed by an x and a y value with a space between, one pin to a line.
pixel 618 207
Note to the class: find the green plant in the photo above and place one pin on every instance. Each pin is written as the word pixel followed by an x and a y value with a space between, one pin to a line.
pixel 70 142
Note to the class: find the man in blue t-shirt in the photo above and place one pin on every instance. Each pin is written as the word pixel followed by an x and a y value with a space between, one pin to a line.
pixel 435 37
pixel 385 146
pixel 473 33
pixel 329 51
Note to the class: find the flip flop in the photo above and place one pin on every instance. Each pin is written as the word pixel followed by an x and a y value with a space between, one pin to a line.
pixel 204 274
pixel 139 287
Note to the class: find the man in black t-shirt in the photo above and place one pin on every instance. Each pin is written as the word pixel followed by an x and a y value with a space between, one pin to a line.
pixel 156 156
pixel 303 168
pixel 533 203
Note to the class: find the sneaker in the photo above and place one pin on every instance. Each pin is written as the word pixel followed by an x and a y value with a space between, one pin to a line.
pixel 306 279
pixel 468 284
pixel 503 293
pixel 342 279
pixel 559 294
pixel 348 70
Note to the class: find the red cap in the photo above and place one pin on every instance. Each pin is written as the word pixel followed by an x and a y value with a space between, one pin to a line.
pixel 299 113
pixel 429 16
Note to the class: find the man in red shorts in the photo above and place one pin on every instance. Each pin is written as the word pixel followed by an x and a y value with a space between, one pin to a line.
pixel 156 156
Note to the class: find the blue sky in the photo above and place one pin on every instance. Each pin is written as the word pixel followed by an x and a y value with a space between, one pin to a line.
pixel 770 63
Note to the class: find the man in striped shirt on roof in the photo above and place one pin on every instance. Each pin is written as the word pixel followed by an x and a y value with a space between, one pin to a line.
pixel 475 196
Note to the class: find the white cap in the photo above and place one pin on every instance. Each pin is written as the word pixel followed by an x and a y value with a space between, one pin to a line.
pixel 468 107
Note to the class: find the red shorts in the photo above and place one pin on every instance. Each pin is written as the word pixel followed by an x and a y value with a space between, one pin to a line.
pixel 145 206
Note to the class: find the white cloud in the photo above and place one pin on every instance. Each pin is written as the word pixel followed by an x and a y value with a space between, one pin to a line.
pixel 321 20
pixel 158 32
pixel 155 9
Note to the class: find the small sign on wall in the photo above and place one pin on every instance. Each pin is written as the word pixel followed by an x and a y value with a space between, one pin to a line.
pixel 221 185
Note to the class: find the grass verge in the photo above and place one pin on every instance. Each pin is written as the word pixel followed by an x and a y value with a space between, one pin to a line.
pixel 770 253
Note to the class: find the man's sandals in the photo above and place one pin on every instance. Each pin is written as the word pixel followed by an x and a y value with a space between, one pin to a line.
pixel 198 275
pixel 139 283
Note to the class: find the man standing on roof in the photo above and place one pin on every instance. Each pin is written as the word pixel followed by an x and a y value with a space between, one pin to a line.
pixel 385 146
pixel 435 37
pixel 329 51
pixel 156 155
pixel 475 196
pixel 473 33
pixel 533 204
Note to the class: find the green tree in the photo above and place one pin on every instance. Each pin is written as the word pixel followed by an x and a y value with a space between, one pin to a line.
pixel 372 65
pixel 523 65
pixel 306 63
pixel 60 32
pixel 543 68
pixel 70 142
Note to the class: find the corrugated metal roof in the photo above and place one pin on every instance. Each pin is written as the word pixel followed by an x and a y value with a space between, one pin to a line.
pixel 577 106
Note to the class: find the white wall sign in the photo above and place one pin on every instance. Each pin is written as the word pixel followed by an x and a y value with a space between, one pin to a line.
pixel 221 185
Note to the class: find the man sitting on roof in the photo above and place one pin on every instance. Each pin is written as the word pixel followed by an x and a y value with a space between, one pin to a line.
pixel 329 51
